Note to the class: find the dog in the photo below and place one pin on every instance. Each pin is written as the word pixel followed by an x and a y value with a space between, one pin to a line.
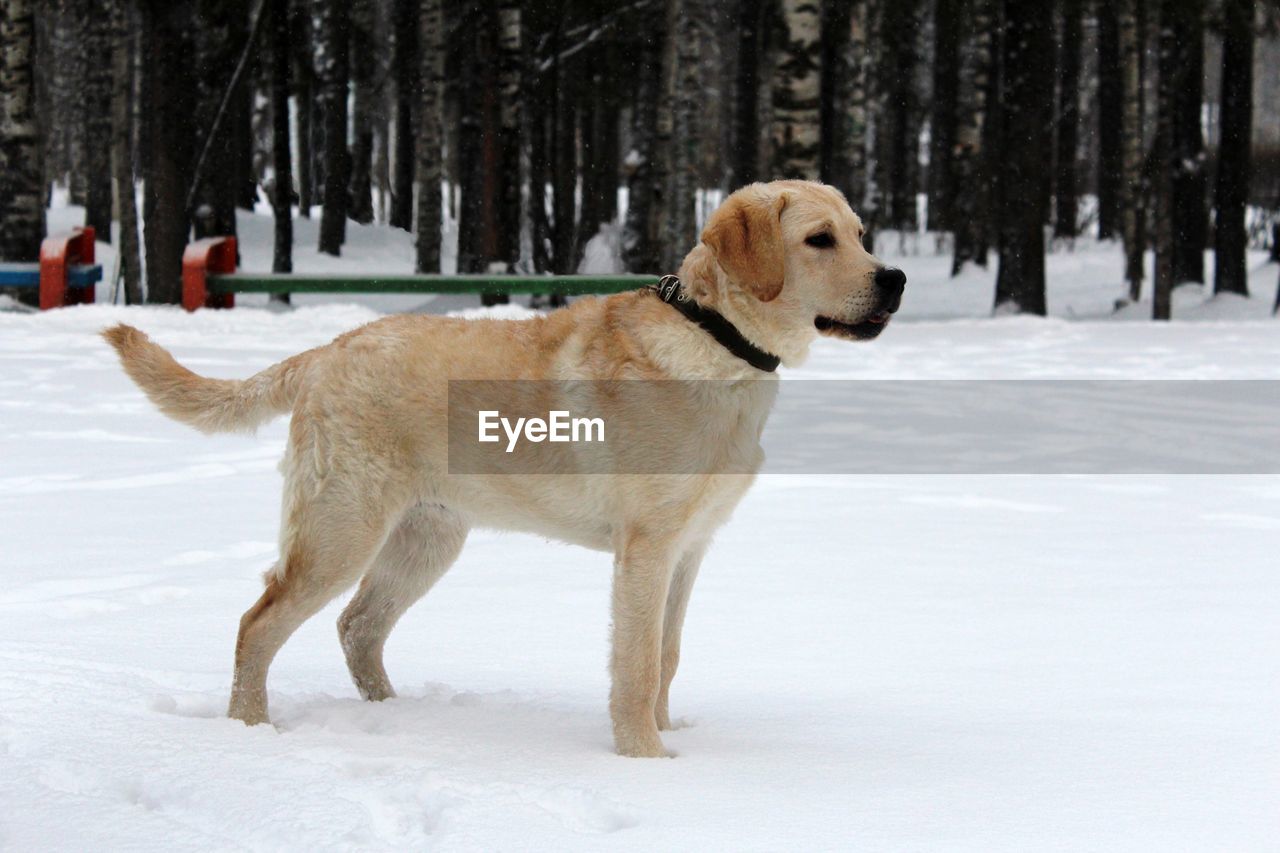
pixel 369 496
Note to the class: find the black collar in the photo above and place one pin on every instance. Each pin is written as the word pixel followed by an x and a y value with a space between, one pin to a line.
pixel 726 334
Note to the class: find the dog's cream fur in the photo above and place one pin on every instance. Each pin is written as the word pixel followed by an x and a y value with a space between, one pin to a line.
pixel 368 496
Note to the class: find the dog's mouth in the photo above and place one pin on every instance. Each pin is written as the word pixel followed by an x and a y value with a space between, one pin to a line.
pixel 864 330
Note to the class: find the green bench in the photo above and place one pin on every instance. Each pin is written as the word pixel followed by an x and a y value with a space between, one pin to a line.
pixel 210 280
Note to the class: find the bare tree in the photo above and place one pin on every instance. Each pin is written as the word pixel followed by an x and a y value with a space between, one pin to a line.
pixel 845 65
pixel 1110 116
pixel 281 51
pixel 1231 194
pixel 21 154
pixel 1163 157
pixel 96 109
pixel 429 153
pixel 944 115
pixel 1065 200
pixel 1026 120
pixel 167 156
pixel 745 158
pixel 122 151
pixel 406 15
pixel 972 187
pixel 1130 15
pixel 332 25
pixel 795 129
pixel 652 139
pixel 363 106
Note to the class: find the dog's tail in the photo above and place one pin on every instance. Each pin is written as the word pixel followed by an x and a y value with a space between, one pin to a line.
pixel 209 405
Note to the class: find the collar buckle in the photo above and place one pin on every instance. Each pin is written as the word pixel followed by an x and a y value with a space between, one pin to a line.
pixel 668 288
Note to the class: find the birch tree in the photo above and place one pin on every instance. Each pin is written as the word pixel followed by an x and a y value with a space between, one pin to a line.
pixel 429 153
pixel 21 156
pixel 682 232
pixel 795 127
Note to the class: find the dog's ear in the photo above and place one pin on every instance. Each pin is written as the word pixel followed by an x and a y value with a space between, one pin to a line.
pixel 745 235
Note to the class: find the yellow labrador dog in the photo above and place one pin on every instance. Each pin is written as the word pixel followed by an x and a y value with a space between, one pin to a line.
pixel 368 494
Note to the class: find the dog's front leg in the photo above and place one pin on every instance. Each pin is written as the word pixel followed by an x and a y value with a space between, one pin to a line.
pixel 642 573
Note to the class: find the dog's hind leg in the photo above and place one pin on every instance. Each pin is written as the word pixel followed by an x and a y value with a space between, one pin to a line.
pixel 672 625
pixel 326 547
pixel 416 554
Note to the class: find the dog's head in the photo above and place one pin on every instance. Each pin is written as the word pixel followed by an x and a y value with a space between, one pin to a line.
pixel 792 264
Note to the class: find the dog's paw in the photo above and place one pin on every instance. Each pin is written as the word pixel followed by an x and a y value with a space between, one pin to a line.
pixel 640 745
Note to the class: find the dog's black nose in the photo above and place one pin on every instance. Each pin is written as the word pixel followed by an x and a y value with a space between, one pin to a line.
pixel 891 281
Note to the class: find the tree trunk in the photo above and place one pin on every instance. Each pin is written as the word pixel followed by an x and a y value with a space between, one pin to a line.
pixel 797 81
pixel 1190 217
pixel 745 157
pixel 407 70
pixel 479 146
pixel 96 89
pixel 281 52
pixel 1164 155
pixel 1065 199
pixel 943 120
pixel 682 231
pixel 429 149
pixel 1133 186
pixel 844 101
pixel 21 147
pixel 507 214
pixel 122 152
pixel 332 26
pixel 564 168
pixel 972 207
pixel 650 143
pixel 1110 116
pixel 304 98
pixel 363 66
pixel 217 53
pixel 1027 117
pixel 539 23
pixel 898 120
pixel 1231 194
pixel 168 158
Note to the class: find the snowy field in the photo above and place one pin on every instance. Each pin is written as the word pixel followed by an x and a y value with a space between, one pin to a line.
pixel 871 663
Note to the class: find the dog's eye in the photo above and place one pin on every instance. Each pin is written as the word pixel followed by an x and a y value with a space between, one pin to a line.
pixel 820 241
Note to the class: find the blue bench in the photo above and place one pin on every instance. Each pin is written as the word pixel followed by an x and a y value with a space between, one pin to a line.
pixel 66 273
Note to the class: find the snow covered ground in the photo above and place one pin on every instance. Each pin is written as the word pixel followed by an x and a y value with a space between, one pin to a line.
pixel 875 663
